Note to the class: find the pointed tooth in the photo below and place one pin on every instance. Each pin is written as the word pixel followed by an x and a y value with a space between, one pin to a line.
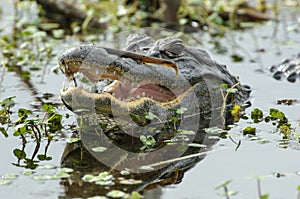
pixel 143 94
pixel 64 88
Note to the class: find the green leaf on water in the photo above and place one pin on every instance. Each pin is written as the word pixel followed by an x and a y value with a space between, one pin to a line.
pixel 43 157
pixel 4 132
pixel 47 166
pixel 65 170
pixel 48 108
pixel 116 194
pixel 73 140
pixel 105 176
pixel 180 111
pixel 231 90
pixel 58 33
pixel 264 196
pixel 42 177
pixel 104 179
pixel 285 130
pixel 197 145
pixel 130 181
pixel 237 58
pixel 22 112
pixel 125 172
pixel 150 116
pixel 99 149
pixel 8 102
pixel 97 197
pixel 174 119
pixel 59 175
pixel 87 177
pixel 148 140
pixel 5 182
pixel 134 195
pixel 213 130
pixel 249 131
pixel 147 168
pixel 19 153
pixel 223 86
pixel 104 183
pixel 256 115
pixel 276 114
pixel 10 176
pixel 27 172
pixel 186 132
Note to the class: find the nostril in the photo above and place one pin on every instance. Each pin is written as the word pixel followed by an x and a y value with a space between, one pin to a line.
pixel 62 65
pixel 62 61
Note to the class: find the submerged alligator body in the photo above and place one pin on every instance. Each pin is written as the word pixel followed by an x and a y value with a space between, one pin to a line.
pixel 146 76
pixel 289 69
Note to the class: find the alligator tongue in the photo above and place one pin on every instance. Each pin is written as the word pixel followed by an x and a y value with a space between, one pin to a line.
pixel 126 90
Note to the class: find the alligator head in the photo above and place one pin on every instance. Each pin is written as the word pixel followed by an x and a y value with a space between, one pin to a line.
pixel 146 76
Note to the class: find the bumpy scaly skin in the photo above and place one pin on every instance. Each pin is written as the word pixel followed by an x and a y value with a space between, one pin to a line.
pixel 289 69
pixel 194 86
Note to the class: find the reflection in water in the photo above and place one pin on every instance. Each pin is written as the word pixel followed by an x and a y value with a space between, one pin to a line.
pixel 146 169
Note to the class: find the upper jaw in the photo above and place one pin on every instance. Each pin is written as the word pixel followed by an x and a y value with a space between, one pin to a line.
pixel 97 64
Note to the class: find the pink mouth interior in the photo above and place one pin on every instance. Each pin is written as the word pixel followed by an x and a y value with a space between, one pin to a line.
pixel 129 91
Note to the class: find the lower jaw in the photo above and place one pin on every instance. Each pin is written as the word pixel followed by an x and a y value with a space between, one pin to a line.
pixel 79 99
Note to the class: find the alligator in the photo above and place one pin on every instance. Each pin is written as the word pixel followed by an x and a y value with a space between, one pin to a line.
pixel 147 76
pixel 288 68
pixel 119 88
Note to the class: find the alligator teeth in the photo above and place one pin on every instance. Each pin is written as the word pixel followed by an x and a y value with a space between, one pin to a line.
pixel 64 88
pixel 143 94
pixel 97 71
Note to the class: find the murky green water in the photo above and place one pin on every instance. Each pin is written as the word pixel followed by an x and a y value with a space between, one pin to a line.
pixel 224 162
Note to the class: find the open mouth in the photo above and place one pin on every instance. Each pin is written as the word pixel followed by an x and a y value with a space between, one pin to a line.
pixel 113 82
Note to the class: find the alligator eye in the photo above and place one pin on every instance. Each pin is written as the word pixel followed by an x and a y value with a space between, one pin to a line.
pixel 119 65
